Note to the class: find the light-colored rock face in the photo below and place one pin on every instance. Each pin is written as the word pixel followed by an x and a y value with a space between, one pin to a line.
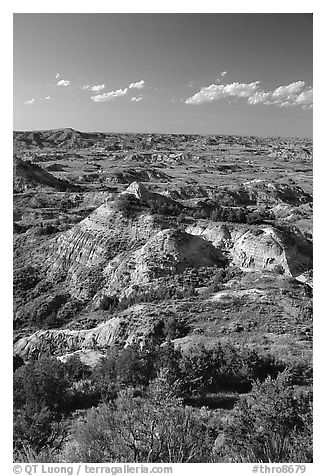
pixel 219 234
pixel 103 234
pixel 138 190
pixel 133 325
pixel 228 296
pixel 261 248
pixel 258 247
pixel 168 252
pixel 89 242
pixel 306 278
pixel 64 340
pixel 88 357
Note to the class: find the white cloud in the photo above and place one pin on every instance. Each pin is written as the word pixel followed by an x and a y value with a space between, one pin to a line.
pixel 96 88
pixel 136 99
pixel 109 96
pixel 293 94
pixel 30 101
pixel 259 97
pixel 57 75
pixel 241 90
pixel 48 97
pixel 219 91
pixel 63 82
pixel 137 85
pixel 284 92
pixel 305 98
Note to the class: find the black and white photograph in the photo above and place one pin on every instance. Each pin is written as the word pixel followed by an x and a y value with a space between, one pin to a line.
pixel 162 240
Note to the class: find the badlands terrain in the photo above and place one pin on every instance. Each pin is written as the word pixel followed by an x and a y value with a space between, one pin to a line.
pixel 130 240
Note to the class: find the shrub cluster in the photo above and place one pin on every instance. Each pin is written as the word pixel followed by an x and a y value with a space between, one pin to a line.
pixel 139 396
pixel 197 372
pixel 272 424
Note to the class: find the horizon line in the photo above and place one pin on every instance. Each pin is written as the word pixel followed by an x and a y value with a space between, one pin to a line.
pixel 164 133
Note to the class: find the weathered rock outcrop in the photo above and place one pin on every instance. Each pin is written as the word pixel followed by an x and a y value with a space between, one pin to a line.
pixel 259 247
pixel 112 232
pixel 138 190
pixel 168 252
pixel 59 341
pixel 125 328
pixel 143 175
pixel 257 192
pixel 97 238
pixel 269 193
pixel 29 176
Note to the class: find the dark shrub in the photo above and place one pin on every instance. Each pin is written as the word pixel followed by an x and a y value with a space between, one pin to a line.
pixel 41 383
pixel 224 368
pixel 156 429
pixel 40 400
pixel 273 424
pixel 175 327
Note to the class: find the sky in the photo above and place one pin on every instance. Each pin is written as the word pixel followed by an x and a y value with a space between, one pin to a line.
pixel 246 74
